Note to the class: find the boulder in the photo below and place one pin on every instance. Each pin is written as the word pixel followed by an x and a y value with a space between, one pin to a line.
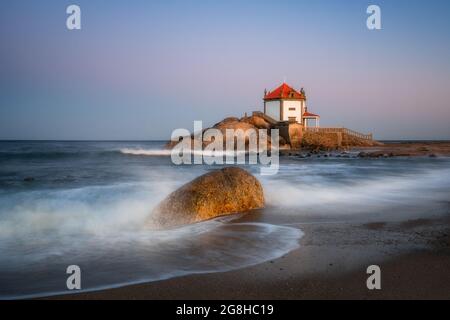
pixel 217 193
pixel 227 120
pixel 238 125
pixel 244 124
pixel 235 125
pixel 257 121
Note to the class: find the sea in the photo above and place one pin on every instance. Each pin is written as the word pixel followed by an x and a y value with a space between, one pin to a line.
pixel 86 203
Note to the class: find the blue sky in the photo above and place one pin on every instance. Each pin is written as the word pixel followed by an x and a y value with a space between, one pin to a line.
pixel 139 69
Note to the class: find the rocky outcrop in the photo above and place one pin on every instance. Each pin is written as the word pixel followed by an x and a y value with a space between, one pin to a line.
pixel 257 122
pixel 333 140
pixel 220 192
pixel 234 125
pixel 246 123
pixel 320 141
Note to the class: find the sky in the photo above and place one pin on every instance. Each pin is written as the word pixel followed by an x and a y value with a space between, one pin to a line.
pixel 139 69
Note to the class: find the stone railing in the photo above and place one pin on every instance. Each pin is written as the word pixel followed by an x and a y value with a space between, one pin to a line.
pixel 342 130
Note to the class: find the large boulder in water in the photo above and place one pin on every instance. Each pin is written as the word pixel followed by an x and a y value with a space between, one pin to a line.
pixel 217 193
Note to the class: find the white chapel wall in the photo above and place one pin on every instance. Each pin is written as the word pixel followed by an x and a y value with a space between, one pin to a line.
pixel 292 108
pixel 273 109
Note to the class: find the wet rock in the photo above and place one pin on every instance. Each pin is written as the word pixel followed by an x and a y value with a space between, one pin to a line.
pixel 362 155
pixel 217 193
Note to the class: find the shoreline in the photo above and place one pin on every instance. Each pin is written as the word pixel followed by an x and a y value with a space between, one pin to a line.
pixel 414 257
pixel 386 150
pixel 411 148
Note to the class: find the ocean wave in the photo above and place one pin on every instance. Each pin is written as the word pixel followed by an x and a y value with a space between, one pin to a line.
pixel 53 155
pixel 167 152
pixel 102 229
pixel 317 195
pixel 145 152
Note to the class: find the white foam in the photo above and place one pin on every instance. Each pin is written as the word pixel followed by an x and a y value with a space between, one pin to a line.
pixel 102 228
pixel 359 196
pixel 167 152
pixel 146 152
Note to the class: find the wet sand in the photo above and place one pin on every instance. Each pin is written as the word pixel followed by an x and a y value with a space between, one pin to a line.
pixel 414 257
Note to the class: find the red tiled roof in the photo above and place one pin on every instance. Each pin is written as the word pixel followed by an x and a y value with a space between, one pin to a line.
pixel 284 92
pixel 309 114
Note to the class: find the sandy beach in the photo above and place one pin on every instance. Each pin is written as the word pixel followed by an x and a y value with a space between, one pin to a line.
pixel 414 257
